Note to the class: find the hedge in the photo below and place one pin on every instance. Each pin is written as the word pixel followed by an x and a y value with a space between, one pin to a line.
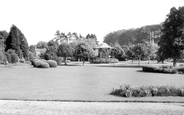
pixel 160 69
pixel 103 60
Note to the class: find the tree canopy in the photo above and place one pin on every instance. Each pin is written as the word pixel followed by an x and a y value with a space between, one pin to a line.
pixel 17 41
pixel 134 36
pixel 65 50
pixel 172 39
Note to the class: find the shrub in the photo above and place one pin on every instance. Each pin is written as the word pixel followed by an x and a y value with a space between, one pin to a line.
pixel 179 69
pixel 8 57
pixel 44 65
pixel 52 63
pixel 2 56
pixel 160 69
pixel 98 60
pixel 145 91
pixel 14 58
pixel 37 63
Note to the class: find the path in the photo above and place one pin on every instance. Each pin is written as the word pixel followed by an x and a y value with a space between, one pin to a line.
pixel 11 107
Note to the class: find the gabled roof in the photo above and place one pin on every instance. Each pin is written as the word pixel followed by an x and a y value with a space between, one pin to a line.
pixel 103 46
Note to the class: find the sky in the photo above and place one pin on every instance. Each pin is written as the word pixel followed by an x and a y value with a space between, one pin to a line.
pixel 40 19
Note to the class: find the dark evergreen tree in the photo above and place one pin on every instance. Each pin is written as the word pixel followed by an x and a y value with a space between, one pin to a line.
pixel 17 41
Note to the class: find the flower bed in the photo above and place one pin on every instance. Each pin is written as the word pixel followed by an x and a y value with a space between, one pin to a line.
pixel 148 91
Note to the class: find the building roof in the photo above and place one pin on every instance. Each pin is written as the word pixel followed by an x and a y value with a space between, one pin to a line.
pixel 103 46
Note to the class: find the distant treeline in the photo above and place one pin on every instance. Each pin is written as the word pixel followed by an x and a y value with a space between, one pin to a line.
pixel 134 36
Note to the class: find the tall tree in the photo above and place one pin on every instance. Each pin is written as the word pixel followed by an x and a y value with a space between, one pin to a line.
pixel 64 50
pixel 172 38
pixel 139 50
pixel 17 41
pixel 83 51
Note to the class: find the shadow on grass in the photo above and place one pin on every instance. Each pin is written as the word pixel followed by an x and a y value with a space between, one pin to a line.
pixel 70 65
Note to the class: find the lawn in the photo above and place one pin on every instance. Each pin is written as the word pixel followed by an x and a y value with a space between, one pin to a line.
pixel 86 83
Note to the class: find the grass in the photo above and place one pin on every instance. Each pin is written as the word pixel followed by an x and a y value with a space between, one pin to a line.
pixel 88 82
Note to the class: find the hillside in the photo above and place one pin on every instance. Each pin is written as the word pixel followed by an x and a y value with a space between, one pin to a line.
pixel 138 35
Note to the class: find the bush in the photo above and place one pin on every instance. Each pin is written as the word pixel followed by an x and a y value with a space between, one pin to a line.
pixel 8 57
pixel 160 69
pixel 2 56
pixel 98 60
pixel 147 91
pixel 40 63
pixel 37 63
pixel 44 65
pixel 179 69
pixel 14 58
pixel 52 63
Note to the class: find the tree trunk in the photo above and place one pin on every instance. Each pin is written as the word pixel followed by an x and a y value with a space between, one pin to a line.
pixel 132 60
pixel 65 60
pixel 139 60
pixel 83 61
pixel 174 62
pixel 149 60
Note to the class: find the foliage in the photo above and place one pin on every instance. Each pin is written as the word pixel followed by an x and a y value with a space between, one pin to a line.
pixel 52 63
pixel 51 52
pixel 14 58
pixel 83 51
pixel 40 63
pixel 65 50
pixel 92 37
pixel 32 48
pixel 148 91
pixel 44 65
pixel 3 37
pixel 172 39
pixel 13 55
pixel 31 55
pixel 160 69
pixel 138 35
pixel 2 57
pixel 98 60
pixel 41 45
pixel 67 38
pixel 117 52
pixel 17 41
pixel 139 50
pixel 8 57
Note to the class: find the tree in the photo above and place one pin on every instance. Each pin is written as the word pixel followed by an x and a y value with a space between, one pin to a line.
pixel 3 36
pixel 64 50
pixel 83 51
pixel 32 48
pixel 41 45
pixel 150 50
pixel 17 41
pixel 139 50
pixel 117 51
pixel 172 38
pixel 93 37
pixel 51 51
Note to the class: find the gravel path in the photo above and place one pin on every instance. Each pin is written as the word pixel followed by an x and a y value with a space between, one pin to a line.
pixel 11 107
